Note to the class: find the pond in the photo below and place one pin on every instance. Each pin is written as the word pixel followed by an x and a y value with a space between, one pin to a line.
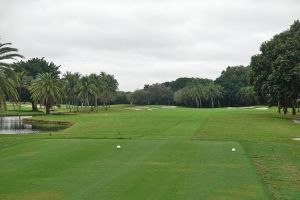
pixel 15 125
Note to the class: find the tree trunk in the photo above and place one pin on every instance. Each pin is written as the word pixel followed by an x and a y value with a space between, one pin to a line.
pixel 197 103
pixel 279 107
pixel 285 110
pixel 34 107
pixel 212 102
pixel 294 107
pixel 20 95
pixel 200 101
pixel 47 109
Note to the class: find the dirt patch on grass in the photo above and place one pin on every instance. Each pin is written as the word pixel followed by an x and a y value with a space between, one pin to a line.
pixel 294 175
pixel 40 122
pixel 44 125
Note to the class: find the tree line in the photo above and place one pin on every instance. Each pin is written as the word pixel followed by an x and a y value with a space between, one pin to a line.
pixel 272 78
pixel 40 82
pixel 232 88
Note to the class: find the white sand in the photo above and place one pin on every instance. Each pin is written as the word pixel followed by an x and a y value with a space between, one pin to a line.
pixel 262 108
pixel 297 139
pixel 169 107
pixel 297 121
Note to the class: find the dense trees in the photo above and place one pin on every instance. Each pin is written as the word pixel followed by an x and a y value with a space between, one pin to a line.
pixel 152 94
pixel 71 88
pixel 233 80
pixel 180 83
pixel 109 87
pixel 38 81
pixel 195 93
pixel 31 69
pixel 89 90
pixel 276 70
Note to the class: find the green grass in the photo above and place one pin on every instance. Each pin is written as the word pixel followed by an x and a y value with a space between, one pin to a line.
pixel 13 110
pixel 179 153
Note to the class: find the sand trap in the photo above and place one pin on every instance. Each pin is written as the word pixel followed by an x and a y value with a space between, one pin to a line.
pixel 297 121
pixel 249 107
pixel 262 108
pixel 27 106
pixel 152 108
pixel 297 139
pixel 169 107
pixel 138 108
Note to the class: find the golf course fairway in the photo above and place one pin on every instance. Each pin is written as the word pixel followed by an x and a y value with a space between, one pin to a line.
pixel 175 153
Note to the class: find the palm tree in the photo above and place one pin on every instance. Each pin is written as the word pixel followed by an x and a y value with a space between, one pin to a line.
pixel 46 89
pixel 7 86
pixel 86 90
pixel 95 80
pixel 22 81
pixel 7 90
pixel 109 86
pixel 71 81
pixel 196 92
pixel 213 91
pixel 7 54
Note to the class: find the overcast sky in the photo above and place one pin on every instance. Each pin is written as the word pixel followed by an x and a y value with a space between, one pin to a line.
pixel 144 41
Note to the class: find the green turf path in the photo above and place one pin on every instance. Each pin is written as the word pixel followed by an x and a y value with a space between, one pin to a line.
pixel 176 153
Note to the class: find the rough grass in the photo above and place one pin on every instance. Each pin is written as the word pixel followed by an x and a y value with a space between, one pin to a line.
pixel 177 153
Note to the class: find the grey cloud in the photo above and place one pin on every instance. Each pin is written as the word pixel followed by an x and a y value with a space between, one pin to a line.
pixel 144 41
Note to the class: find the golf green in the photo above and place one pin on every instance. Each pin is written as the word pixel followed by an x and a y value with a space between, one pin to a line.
pixel 141 169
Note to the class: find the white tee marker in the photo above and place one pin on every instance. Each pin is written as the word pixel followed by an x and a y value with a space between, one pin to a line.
pixel 233 149
pixel 118 146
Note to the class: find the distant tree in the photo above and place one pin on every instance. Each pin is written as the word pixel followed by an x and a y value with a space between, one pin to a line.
pixel 121 98
pixel 96 82
pixel 183 97
pixel 183 82
pixel 140 97
pixel 22 81
pixel 247 96
pixel 196 91
pixel 219 93
pixel 212 93
pixel 276 70
pixel 232 80
pixel 87 89
pixel 46 89
pixel 71 86
pixel 109 87
pixel 33 68
pixel 160 94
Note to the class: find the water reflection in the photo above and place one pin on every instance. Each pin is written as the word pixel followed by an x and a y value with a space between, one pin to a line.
pixel 15 125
